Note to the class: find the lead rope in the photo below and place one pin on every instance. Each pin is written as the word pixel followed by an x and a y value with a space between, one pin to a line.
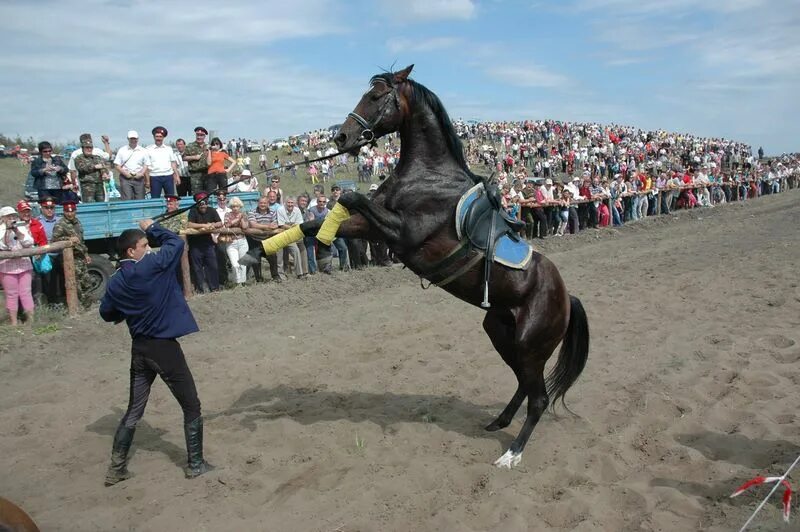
pixel 168 215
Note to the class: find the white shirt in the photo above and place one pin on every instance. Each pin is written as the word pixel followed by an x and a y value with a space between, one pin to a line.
pixel 161 159
pixel 222 211
pixel 134 160
pixel 244 186
pixel 183 168
pixel 285 217
pixel 576 194
pixel 95 151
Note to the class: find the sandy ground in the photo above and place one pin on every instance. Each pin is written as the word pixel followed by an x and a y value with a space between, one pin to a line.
pixel 368 415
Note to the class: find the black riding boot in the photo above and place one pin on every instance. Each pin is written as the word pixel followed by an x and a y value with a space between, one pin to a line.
pixel 118 470
pixel 252 258
pixel 194 448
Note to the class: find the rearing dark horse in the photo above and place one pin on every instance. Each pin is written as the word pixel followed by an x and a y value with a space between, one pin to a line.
pixel 414 212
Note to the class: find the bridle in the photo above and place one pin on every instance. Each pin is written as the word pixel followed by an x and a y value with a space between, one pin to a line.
pixel 367 128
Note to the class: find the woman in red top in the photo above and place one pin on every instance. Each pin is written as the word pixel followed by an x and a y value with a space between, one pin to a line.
pixel 34 225
pixel 217 173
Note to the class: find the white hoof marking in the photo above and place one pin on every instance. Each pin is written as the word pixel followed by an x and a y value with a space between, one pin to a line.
pixel 508 460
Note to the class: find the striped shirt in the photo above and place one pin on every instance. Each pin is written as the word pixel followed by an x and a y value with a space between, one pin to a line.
pixel 264 218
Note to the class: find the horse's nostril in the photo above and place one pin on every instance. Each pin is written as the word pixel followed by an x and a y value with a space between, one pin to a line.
pixel 338 139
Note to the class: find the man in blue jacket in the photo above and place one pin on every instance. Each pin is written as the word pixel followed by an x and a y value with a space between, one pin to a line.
pixel 145 293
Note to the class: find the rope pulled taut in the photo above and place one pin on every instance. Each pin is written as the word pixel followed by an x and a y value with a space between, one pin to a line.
pixel 168 215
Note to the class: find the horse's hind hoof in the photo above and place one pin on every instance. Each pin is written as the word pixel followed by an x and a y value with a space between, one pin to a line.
pixel 496 425
pixel 508 460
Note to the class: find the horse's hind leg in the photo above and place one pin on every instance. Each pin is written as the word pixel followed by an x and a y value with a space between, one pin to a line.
pixel 534 384
pixel 534 344
pixel 500 327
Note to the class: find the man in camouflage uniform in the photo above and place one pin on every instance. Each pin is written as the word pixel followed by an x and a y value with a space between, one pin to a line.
pixel 92 172
pixel 68 227
pixel 176 223
pixel 196 157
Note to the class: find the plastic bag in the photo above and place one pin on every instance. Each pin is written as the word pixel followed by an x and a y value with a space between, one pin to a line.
pixel 42 264
pixel 112 192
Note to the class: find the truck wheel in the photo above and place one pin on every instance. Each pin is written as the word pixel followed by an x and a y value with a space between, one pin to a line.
pixel 99 271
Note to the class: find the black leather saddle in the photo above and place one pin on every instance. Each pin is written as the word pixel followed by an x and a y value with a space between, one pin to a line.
pixel 486 220
pixel 484 223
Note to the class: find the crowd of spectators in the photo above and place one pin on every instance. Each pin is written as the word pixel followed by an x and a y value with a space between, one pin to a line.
pixel 558 177
pixel 220 232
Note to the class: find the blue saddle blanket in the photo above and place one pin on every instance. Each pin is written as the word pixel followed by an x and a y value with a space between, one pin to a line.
pixel 507 251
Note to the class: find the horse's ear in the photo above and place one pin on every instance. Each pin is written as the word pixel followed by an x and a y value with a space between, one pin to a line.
pixel 402 75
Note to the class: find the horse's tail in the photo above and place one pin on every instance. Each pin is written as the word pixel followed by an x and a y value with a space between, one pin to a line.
pixel 573 355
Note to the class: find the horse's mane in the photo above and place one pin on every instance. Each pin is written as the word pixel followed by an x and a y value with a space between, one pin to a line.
pixel 425 96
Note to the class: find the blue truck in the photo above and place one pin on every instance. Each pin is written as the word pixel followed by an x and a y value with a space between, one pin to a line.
pixel 104 222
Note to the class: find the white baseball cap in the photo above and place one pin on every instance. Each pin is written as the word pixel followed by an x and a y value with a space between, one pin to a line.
pixel 548 181
pixel 373 186
pixel 132 134
pixel 5 211
pixel 246 173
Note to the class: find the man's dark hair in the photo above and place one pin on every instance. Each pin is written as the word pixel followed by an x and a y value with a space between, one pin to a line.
pixel 128 240
pixel 180 140
pixel 44 145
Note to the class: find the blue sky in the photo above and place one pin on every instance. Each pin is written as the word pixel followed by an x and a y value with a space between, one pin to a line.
pixel 269 69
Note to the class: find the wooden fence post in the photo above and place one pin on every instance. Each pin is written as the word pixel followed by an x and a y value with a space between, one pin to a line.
pixel 70 285
pixel 185 274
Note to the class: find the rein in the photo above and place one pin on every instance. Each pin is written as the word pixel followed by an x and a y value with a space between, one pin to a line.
pixel 168 215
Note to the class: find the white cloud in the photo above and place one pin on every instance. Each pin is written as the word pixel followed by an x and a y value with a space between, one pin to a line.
pixel 527 76
pixel 667 7
pixel 624 61
pixel 733 41
pixel 133 65
pixel 421 45
pixel 150 24
pixel 429 10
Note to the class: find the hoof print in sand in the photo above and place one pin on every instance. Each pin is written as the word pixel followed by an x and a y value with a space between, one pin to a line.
pixel 719 340
pixel 777 341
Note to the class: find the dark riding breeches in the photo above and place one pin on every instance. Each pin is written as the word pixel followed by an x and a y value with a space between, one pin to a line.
pixel 151 357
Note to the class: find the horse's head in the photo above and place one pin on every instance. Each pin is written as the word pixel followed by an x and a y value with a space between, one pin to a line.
pixel 379 112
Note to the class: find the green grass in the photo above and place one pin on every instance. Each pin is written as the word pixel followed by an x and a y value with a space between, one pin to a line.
pixel 38 331
pixel 360 442
pixel 293 186
pixel 12 181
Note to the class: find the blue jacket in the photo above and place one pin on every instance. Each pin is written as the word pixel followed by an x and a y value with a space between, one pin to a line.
pixel 146 293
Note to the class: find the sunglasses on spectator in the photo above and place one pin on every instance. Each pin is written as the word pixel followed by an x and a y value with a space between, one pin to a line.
pixel 47 151
pixel 48 207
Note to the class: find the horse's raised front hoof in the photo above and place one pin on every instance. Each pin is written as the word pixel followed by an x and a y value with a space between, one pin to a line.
pixel 348 199
pixel 497 424
pixel 508 460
